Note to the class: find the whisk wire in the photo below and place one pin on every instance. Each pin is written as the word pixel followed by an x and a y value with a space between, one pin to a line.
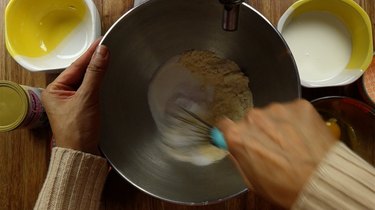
pixel 190 122
pixel 192 119
pixel 203 130
pixel 196 117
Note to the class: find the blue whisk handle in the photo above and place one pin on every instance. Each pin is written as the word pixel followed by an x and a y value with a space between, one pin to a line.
pixel 218 138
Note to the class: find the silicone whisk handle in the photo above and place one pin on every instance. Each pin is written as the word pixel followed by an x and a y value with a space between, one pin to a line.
pixel 218 138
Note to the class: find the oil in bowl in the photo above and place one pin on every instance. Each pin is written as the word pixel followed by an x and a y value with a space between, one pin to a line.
pixel 46 35
pixel 42 26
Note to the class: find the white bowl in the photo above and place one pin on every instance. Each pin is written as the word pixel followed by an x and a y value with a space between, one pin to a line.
pixel 73 45
pixel 331 41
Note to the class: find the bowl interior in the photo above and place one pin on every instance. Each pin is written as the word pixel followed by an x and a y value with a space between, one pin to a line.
pixel 140 42
pixel 42 36
pixel 356 120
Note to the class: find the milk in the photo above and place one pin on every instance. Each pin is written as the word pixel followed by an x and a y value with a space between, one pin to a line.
pixel 320 43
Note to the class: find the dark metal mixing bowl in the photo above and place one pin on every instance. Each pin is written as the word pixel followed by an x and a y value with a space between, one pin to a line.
pixel 140 42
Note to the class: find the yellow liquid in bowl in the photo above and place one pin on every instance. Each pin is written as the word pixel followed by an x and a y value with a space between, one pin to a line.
pixel 35 28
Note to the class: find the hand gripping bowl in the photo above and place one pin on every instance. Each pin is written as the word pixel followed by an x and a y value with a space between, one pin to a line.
pixel 141 41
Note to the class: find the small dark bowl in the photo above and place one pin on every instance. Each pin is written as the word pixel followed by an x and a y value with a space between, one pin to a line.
pixel 356 120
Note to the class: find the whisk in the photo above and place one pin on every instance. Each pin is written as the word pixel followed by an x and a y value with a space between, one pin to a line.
pixel 201 129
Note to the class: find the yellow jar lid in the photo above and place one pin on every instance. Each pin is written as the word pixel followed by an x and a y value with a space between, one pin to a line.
pixel 13 105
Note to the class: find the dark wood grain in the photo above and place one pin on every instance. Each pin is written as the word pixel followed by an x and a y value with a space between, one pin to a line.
pixel 24 154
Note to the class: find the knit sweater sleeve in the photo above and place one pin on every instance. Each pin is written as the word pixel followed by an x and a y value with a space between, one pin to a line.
pixel 342 181
pixel 74 181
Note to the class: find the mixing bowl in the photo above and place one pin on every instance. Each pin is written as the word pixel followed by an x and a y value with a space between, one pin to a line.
pixel 140 42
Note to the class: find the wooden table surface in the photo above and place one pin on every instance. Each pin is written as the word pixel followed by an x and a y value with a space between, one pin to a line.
pixel 24 154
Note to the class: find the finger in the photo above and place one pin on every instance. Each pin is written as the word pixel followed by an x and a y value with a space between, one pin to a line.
pixel 252 134
pixel 253 160
pixel 278 111
pixel 281 123
pixel 95 71
pixel 230 132
pixel 73 75
pixel 235 141
pixel 243 174
pixel 268 125
pixel 299 111
pixel 248 147
pixel 257 158
pixel 225 123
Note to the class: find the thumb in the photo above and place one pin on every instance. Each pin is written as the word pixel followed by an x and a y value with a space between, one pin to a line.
pixel 230 132
pixel 225 125
pixel 95 70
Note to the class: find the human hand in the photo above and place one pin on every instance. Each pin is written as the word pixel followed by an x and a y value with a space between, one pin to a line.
pixel 277 148
pixel 72 101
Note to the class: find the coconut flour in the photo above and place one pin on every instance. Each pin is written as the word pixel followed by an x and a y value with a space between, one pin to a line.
pixel 205 84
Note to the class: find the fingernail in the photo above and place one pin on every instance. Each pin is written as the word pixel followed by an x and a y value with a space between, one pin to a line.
pixel 101 51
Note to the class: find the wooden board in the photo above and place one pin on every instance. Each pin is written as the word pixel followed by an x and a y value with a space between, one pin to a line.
pixel 24 154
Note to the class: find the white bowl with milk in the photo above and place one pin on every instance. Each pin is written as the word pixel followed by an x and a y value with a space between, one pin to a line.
pixel 331 41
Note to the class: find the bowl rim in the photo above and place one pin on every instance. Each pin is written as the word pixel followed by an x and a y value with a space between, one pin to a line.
pixel 355 102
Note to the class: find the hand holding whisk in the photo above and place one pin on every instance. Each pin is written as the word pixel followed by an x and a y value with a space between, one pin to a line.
pixel 200 128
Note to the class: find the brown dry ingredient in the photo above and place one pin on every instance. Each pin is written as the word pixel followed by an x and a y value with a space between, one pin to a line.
pixel 232 96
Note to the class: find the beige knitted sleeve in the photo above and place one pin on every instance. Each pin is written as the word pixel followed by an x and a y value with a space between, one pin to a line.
pixel 342 181
pixel 74 181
